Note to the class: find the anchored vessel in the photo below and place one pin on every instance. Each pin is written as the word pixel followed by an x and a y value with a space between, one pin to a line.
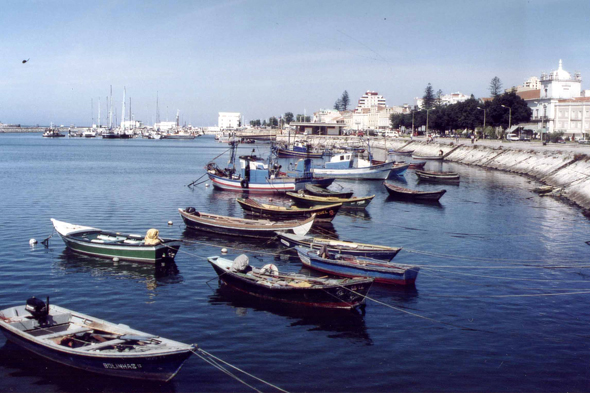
pixel 340 246
pixel 413 195
pixel 108 244
pixel 301 199
pixel 276 212
pixel 295 289
pixel 242 226
pixel 350 266
pixel 438 177
pixel 88 343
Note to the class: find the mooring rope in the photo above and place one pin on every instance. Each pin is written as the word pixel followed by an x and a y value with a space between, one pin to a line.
pixel 240 370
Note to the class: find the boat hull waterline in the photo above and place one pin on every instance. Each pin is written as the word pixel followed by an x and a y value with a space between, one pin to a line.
pixel 338 295
pixel 95 242
pixel 104 358
pixel 241 226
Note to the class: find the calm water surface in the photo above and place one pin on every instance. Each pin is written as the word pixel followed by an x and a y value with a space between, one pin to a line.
pixel 501 302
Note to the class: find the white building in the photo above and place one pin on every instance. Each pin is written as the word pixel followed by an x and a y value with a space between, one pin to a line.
pixel 165 125
pixel 326 116
pixel 559 89
pixel 445 99
pixel 229 120
pixel 371 113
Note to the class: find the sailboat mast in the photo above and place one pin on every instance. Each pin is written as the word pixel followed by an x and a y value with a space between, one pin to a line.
pixel 123 110
pixel 98 112
pixel 111 109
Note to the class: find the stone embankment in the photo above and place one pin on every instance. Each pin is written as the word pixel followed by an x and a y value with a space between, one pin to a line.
pixel 563 167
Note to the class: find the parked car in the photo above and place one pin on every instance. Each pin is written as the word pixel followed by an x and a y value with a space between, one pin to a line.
pixel 584 141
pixel 512 137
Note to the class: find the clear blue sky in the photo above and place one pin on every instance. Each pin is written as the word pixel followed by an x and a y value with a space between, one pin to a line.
pixel 265 58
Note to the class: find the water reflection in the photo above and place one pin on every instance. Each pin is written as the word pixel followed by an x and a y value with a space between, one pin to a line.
pixel 426 203
pixel 339 324
pixel 34 371
pixel 162 273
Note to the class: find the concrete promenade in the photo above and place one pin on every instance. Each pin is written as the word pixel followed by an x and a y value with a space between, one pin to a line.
pixel 563 166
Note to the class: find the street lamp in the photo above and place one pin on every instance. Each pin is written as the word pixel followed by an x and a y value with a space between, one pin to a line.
pixel 484 119
pixel 509 116
pixel 542 120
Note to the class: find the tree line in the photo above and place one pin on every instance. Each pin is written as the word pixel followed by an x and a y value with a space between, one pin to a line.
pixel 502 110
pixel 273 121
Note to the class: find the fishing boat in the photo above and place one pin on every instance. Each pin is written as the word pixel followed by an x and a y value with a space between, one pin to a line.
pixel 302 199
pixel 108 244
pixel 324 192
pixel 242 226
pixel 276 212
pixel 413 195
pixel 350 266
pixel 52 133
pixel 294 289
pixel 339 246
pixel 438 177
pixel 256 176
pixel 298 149
pixel 91 344
pixel 90 133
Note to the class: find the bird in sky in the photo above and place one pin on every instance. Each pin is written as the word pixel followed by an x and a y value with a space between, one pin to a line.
pixel 24 61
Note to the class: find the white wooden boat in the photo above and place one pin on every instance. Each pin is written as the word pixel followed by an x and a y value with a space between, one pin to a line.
pixel 88 343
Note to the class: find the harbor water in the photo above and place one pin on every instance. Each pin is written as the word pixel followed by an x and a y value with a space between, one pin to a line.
pixel 500 304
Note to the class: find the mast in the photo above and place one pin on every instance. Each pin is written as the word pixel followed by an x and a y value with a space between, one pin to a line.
pixel 157 110
pixel 111 109
pixel 123 110
pixel 92 110
pixel 98 112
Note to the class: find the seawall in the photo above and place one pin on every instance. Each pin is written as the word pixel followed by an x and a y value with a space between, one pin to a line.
pixel 567 169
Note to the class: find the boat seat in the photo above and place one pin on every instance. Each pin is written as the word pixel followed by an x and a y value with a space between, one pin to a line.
pixel 65 333
pixel 101 345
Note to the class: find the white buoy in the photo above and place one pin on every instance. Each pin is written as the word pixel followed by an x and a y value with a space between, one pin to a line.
pixel 115 259
pixel 206 184
pixel 224 250
pixel 169 222
pixel 33 242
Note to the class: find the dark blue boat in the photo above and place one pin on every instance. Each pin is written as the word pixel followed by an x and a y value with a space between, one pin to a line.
pixel 350 266
pixel 87 343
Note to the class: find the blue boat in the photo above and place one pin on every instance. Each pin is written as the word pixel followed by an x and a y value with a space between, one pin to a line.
pixel 350 266
pixel 255 175
pixel 87 343
pixel 298 150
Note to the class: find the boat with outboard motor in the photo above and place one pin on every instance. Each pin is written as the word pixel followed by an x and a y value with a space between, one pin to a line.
pixel 351 266
pixel 225 225
pixel 339 246
pixel 108 244
pixel 91 344
pixel 294 289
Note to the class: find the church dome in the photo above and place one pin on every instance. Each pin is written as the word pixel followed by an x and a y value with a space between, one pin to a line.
pixel 560 74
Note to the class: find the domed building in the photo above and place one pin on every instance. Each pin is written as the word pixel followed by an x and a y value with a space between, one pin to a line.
pixel 561 105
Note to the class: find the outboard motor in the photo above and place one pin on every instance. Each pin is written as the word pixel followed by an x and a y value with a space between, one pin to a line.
pixel 38 309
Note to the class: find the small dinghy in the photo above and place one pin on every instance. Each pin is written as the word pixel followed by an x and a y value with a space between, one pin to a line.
pixel 87 343
pixel 350 266
pixel 108 244
pixel 322 213
pixel 301 199
pixel 438 177
pixel 294 289
pixel 242 226
pixel 324 192
pixel 340 246
pixel 413 195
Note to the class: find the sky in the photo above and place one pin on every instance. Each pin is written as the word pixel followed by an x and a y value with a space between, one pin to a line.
pixel 263 58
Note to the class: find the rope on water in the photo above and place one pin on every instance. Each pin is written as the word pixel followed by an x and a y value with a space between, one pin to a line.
pixel 415 314
pixel 215 362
